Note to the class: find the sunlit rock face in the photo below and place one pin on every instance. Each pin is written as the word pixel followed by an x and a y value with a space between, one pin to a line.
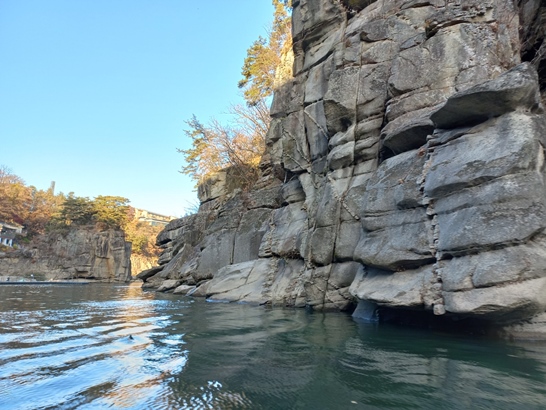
pixel 404 168
pixel 79 253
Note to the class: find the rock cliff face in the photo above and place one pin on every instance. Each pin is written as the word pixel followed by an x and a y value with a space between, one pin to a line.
pixel 404 170
pixel 79 254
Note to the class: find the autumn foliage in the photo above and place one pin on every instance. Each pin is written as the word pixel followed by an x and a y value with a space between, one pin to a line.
pixel 43 211
pixel 240 144
pixel 26 205
pixel 217 146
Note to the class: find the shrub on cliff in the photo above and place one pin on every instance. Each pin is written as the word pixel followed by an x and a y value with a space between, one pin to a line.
pixel 240 144
pixel 217 146
pixel 142 236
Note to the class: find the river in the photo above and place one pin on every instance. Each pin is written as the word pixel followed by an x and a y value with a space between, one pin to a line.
pixel 103 346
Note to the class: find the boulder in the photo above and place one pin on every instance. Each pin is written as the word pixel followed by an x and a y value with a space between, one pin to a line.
pixel 242 282
pixel 183 289
pixel 168 285
pixel 286 232
pixel 316 130
pixel 509 303
pixel 148 273
pixel 293 192
pixel 407 132
pixel 384 288
pixel 517 87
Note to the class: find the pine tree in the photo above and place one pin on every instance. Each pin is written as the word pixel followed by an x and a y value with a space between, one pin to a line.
pixel 111 211
pixel 74 211
pixel 261 66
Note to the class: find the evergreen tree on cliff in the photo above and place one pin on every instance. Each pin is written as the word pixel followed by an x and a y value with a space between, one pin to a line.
pixel 111 211
pixel 74 211
pixel 107 211
pixel 262 66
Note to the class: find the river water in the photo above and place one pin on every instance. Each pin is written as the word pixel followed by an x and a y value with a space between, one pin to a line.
pixel 104 346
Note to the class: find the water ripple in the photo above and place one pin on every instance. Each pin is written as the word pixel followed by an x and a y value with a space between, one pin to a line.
pixel 64 358
pixel 98 347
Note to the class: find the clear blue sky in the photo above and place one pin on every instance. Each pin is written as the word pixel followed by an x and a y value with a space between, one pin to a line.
pixel 94 93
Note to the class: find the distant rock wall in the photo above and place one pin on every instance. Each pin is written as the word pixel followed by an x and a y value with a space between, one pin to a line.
pixel 140 263
pixel 404 169
pixel 80 253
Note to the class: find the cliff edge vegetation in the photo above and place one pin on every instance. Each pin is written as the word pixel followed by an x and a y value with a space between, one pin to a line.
pixel 57 236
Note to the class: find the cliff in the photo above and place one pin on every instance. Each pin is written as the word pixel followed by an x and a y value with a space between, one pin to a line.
pixel 80 253
pixel 404 171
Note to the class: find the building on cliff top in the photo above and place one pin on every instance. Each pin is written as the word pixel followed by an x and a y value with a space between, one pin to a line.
pixel 152 218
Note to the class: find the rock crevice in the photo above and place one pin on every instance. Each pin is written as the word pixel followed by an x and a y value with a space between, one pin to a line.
pixel 404 169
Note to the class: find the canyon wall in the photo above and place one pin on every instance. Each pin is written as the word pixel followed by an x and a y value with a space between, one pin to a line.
pixel 404 171
pixel 79 253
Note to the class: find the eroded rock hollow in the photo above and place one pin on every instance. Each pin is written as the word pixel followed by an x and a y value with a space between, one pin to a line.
pixel 404 169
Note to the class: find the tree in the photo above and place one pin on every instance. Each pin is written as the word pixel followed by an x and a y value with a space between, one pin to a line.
pixel 203 157
pixel 39 210
pixel 111 210
pixel 217 146
pixel 261 69
pixel 43 205
pixel 142 236
pixel 240 145
pixel 26 205
pixel 74 211
pixel 14 197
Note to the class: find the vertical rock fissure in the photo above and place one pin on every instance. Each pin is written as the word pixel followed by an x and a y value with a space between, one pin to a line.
pixel 340 196
pixel 234 239
pixel 432 292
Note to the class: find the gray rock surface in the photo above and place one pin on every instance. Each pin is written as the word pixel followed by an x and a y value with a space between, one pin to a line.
pixel 411 147
pixel 80 253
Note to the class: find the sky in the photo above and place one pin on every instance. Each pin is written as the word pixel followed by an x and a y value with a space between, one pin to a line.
pixel 94 93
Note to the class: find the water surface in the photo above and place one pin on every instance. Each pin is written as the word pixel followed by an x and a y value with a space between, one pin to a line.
pixel 106 346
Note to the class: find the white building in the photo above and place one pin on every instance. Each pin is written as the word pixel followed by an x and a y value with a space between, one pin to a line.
pixel 8 232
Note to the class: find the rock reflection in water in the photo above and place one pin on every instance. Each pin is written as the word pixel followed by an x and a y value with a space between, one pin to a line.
pixel 119 347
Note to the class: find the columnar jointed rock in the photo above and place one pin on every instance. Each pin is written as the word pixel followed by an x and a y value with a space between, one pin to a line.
pixel 80 253
pixel 410 146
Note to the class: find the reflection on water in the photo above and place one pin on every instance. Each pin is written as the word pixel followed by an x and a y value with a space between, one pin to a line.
pixel 103 346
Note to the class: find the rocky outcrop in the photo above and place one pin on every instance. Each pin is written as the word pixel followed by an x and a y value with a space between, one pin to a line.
pixel 80 253
pixel 404 170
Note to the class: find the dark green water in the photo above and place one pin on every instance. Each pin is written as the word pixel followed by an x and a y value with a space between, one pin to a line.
pixel 102 346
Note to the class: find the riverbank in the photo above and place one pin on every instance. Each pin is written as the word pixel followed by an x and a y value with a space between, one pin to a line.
pixel 40 282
